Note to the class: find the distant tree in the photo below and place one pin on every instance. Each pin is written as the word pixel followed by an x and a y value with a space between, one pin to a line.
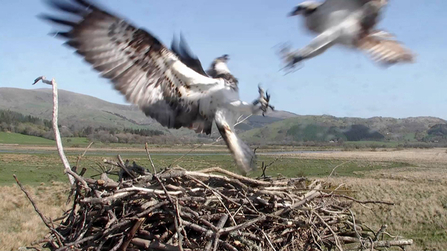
pixel 361 132
pixel 438 130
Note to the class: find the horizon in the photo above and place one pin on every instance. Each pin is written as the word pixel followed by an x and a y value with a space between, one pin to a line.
pixel 49 89
pixel 339 83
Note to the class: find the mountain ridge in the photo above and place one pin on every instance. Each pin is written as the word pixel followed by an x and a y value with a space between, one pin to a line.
pixel 82 110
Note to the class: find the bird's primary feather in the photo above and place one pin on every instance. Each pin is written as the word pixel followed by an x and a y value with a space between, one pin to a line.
pixel 184 53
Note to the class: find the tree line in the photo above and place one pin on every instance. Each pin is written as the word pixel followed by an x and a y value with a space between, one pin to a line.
pixel 16 122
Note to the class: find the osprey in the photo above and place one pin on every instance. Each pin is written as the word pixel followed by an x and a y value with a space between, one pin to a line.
pixel 350 23
pixel 153 77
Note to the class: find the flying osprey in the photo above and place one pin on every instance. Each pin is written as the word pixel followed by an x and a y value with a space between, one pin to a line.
pixel 153 77
pixel 350 23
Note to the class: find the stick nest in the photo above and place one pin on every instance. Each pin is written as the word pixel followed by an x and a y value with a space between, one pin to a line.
pixel 211 209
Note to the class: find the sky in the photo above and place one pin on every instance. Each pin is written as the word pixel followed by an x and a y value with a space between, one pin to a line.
pixel 340 82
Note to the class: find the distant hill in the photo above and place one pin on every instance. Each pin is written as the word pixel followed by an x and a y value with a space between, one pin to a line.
pixel 278 127
pixel 326 128
pixel 83 110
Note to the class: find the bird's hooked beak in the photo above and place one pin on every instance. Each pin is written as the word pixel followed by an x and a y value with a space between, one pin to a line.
pixel 224 57
pixel 296 11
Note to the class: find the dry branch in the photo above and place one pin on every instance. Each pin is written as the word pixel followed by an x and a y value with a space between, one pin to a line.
pixel 56 234
pixel 57 135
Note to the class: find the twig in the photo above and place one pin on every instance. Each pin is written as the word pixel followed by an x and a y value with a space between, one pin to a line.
pixel 339 165
pixel 307 197
pixel 241 121
pixel 177 220
pixel 359 201
pixel 240 177
pixel 78 178
pixel 44 219
pixel 57 135
pixel 336 239
pixel 377 244
pixel 241 226
pixel 85 151
pixel 131 234
pixel 381 230
pixel 149 156
pixel 123 166
pixel 219 225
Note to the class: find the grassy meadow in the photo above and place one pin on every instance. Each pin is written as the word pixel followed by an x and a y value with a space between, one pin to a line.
pixel 412 178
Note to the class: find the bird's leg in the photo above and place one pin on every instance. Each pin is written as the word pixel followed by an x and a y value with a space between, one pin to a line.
pixel 264 99
pixel 242 107
pixel 290 58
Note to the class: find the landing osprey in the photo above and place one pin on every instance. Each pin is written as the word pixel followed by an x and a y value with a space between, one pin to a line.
pixel 154 78
pixel 350 23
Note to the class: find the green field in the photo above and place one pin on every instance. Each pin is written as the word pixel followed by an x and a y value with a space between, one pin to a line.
pixel 16 138
pixel 82 142
pixel 40 168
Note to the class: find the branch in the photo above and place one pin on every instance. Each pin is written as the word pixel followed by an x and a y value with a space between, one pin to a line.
pixel 237 176
pixel 360 201
pixel 132 233
pixel 44 219
pixel 150 158
pixel 376 244
pixel 57 135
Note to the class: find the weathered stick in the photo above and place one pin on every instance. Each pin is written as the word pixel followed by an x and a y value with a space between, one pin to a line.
pixel 240 177
pixel 131 234
pixel 150 158
pixel 83 154
pixel 376 244
pixel 57 135
pixel 359 201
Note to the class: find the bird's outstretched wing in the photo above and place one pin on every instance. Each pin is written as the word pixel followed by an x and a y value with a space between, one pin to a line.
pixel 384 49
pixel 183 52
pixel 144 70
pixel 317 46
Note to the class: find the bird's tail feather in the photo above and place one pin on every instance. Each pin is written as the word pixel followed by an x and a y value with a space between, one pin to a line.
pixel 243 156
pixel 383 48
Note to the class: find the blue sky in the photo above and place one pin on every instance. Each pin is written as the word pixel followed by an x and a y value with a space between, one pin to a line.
pixel 340 82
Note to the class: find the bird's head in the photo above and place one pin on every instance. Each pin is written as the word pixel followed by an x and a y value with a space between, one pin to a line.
pixel 224 58
pixel 219 65
pixel 305 8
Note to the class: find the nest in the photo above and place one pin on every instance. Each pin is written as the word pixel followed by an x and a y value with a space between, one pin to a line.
pixel 211 209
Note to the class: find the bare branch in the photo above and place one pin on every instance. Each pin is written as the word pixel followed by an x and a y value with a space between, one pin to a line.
pixel 57 135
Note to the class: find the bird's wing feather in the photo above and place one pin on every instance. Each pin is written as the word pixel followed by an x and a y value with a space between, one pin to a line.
pixel 357 3
pixel 183 52
pixel 335 11
pixel 243 156
pixel 141 68
pixel 337 5
pixel 319 44
pixel 384 49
